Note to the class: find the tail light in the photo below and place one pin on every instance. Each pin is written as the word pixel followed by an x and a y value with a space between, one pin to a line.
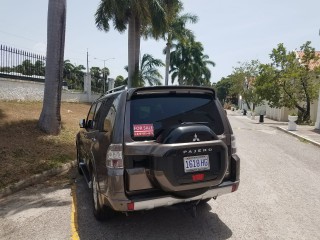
pixel 114 156
pixel 130 206
pixel 233 144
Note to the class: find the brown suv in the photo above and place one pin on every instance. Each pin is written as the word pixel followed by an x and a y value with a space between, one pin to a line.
pixel 156 146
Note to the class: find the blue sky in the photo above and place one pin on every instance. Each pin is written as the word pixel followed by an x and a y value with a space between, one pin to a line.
pixel 231 31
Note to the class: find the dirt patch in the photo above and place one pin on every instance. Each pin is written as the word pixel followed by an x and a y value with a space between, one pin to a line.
pixel 25 150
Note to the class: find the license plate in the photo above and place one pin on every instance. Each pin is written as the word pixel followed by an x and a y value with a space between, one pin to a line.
pixel 196 163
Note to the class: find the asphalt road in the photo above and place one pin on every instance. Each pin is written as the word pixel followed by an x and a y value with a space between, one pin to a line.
pixel 278 198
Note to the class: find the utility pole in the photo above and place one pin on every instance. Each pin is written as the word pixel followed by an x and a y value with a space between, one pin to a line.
pixel 87 83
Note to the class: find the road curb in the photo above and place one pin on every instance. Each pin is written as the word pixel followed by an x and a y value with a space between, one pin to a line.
pixel 38 178
pixel 299 136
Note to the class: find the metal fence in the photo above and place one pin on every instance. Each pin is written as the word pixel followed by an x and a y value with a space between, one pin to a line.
pixel 20 64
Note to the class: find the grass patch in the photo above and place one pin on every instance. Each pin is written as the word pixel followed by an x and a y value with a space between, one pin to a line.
pixel 25 150
pixel 303 140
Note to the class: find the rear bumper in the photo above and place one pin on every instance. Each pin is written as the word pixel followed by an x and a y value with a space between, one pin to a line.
pixel 224 188
pixel 147 204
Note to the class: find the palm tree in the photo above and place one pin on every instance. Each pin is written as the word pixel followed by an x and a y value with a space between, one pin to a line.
pixel 149 72
pixel 105 73
pixel 97 85
pixel 190 65
pixel 137 15
pixel 78 73
pixel 68 68
pixel 174 30
pixel 177 31
pixel 50 117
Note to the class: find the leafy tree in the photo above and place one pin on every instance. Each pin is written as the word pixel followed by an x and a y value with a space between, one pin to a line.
pixel 50 117
pixel 73 74
pixel 175 29
pixel 26 68
pixel 243 80
pixel 68 68
pixel 288 82
pixel 137 15
pixel 120 81
pixel 96 80
pixel 224 91
pixel 78 73
pixel 39 68
pixel 6 69
pixel 148 71
pixel 190 65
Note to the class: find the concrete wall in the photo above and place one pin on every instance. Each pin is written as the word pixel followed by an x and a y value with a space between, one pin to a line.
pixel 281 114
pixel 11 89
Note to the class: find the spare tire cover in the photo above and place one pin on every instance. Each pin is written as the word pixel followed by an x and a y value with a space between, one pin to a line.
pixel 183 134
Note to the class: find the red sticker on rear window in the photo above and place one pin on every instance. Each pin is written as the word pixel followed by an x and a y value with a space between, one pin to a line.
pixel 143 130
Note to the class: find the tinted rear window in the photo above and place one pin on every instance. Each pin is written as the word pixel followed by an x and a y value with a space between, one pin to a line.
pixel 150 114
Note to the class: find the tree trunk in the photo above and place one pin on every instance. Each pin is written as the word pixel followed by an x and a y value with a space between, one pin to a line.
pixel 168 48
pixel 131 50
pixel 50 117
pixel 137 80
pixel 248 104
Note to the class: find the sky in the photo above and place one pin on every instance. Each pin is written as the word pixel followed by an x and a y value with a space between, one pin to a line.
pixel 231 31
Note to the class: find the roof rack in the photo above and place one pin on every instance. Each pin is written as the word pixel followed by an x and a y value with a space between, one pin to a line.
pixel 123 87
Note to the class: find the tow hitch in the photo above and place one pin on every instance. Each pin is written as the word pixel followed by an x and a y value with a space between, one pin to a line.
pixel 193 207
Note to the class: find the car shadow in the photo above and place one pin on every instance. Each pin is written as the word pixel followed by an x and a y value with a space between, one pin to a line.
pixel 39 196
pixel 175 222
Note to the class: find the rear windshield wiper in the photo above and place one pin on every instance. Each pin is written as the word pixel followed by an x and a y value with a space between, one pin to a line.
pixel 189 123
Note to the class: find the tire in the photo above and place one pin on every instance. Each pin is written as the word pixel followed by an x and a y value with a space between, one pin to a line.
pixel 78 162
pixel 100 211
pixel 204 201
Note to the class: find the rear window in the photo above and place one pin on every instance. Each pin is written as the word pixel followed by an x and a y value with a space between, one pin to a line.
pixel 151 114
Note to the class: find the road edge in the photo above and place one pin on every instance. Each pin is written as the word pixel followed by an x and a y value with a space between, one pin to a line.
pixel 37 178
pixel 298 136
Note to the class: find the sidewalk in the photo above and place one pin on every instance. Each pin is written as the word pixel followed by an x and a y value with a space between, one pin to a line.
pixel 303 132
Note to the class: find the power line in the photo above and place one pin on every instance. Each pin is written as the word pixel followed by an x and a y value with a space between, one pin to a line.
pixel 19 36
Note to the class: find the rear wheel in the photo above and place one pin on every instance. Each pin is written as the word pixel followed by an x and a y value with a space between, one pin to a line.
pixel 204 201
pixel 100 211
pixel 78 162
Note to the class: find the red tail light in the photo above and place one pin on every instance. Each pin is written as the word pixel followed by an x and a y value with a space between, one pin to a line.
pixel 130 206
pixel 198 177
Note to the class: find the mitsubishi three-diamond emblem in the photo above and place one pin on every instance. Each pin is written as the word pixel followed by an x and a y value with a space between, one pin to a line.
pixel 196 139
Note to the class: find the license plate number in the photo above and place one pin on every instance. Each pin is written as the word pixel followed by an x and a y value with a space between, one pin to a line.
pixel 196 163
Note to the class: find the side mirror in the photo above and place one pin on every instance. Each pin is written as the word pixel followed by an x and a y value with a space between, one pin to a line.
pixel 82 123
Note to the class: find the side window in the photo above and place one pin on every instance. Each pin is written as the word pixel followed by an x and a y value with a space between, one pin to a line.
pixel 109 120
pixel 111 116
pixel 102 113
pixel 93 115
pixel 89 123
pixel 96 115
pixel 105 113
